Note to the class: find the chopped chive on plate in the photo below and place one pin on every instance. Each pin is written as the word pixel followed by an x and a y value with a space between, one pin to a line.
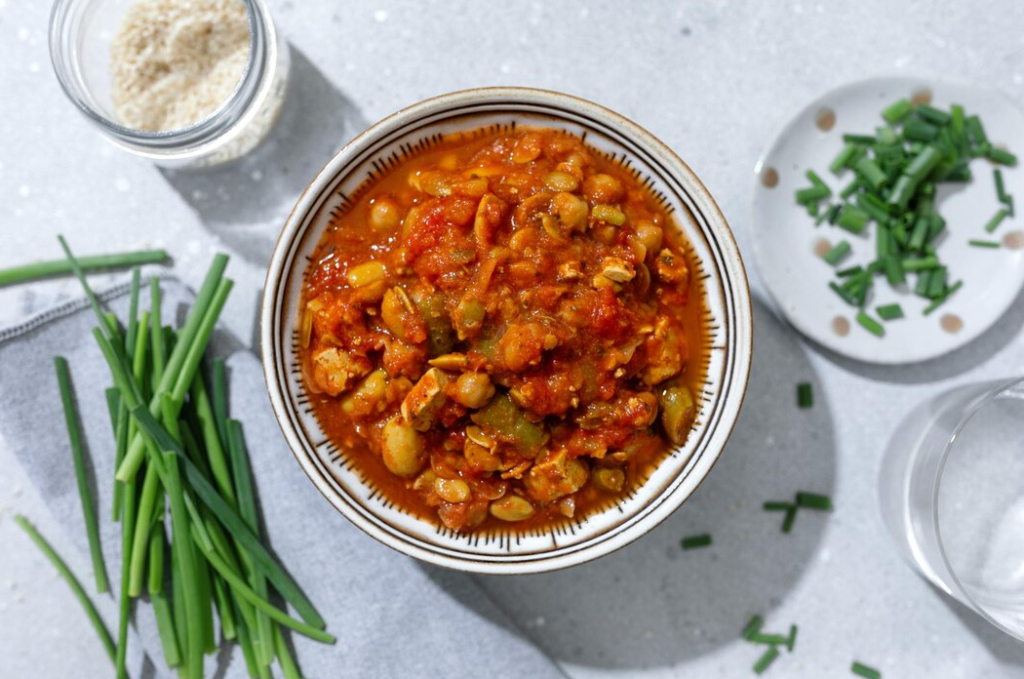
pixel 789 248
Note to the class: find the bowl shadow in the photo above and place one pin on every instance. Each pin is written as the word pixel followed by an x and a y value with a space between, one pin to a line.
pixel 245 202
pixel 652 604
pixel 1006 649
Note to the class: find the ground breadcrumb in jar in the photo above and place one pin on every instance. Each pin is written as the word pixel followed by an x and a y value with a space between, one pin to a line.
pixel 175 62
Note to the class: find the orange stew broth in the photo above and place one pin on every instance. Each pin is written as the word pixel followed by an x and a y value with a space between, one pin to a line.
pixel 498 333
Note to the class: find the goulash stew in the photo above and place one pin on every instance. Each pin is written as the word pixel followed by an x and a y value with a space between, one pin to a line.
pixel 499 331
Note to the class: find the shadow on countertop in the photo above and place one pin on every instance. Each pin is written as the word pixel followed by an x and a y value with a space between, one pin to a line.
pixel 651 604
pixel 245 202
pixel 1001 645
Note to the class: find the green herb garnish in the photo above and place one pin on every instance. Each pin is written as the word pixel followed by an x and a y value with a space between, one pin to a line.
pixel 870 324
pixel 996 220
pixel 71 419
pixel 181 458
pixel 696 541
pixel 813 501
pixel 889 312
pixel 73 583
pixel 766 659
pixel 984 243
pixel 865 671
pixel 895 174
pixel 787 522
pixel 752 627
pixel 804 395
pixel 62 267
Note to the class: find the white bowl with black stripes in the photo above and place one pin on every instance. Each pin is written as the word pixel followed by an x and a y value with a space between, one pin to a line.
pixel 727 350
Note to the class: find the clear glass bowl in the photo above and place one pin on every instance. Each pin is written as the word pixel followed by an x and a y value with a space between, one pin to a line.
pixel 81 32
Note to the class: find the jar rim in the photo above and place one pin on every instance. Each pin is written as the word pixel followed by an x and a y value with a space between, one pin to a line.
pixel 65 64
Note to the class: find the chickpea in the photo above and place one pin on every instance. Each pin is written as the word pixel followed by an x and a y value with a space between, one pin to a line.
pixel 561 181
pixel 368 397
pixel 571 210
pixel 481 457
pixel 677 413
pixel 402 448
pixel 451 490
pixel 412 220
pixel 512 508
pixel 649 235
pixel 603 188
pixel 473 390
pixel 425 481
pixel 608 479
pixel 527 148
pixel 606 234
pixel 433 183
pixel 472 188
pixel 401 317
pixel 385 215
pixel 366 274
pixel 523 238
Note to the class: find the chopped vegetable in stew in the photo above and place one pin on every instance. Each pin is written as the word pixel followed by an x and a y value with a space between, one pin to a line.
pixel 499 331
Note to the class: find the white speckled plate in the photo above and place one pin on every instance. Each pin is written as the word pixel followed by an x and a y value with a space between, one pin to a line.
pixel 785 238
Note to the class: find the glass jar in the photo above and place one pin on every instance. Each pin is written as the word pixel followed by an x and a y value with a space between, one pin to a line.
pixel 81 33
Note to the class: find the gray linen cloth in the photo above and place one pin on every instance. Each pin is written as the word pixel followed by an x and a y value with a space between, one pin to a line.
pixel 393 616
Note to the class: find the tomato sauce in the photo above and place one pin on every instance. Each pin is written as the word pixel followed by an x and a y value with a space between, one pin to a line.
pixel 498 332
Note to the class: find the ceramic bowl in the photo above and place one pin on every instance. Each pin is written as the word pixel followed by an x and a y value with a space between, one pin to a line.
pixel 726 355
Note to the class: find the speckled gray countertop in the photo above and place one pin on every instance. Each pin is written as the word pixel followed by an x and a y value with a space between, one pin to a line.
pixel 712 79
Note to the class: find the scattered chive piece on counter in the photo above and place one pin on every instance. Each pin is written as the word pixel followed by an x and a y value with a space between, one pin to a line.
pixel 768 639
pixel 752 633
pixel 804 395
pixel 72 581
pixel 865 671
pixel 766 659
pixel 787 522
pixel 71 419
pixel 174 443
pixel 803 500
pixel 889 312
pixel 984 243
pixel 61 267
pixel 752 627
pixel 696 541
pixel 870 324
pixel 894 175
pixel 813 501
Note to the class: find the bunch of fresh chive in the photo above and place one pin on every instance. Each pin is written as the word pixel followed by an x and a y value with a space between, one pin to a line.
pixel 895 172
pixel 182 465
